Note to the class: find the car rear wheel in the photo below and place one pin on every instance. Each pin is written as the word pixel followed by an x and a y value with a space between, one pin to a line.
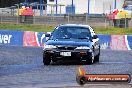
pixel 91 60
pixel 46 60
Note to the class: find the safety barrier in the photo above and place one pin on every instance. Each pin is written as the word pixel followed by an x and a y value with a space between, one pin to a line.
pixel 28 38
pixel 11 37
pixel 116 42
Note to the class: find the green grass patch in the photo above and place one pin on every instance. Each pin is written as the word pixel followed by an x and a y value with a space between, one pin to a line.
pixel 112 30
pixel 26 27
pixel 48 28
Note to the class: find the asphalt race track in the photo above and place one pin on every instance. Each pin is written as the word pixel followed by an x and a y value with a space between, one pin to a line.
pixel 22 67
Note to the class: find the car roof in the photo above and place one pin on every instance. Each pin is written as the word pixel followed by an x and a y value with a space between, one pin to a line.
pixel 77 25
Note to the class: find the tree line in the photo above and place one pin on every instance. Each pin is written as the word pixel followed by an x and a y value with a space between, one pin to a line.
pixel 8 3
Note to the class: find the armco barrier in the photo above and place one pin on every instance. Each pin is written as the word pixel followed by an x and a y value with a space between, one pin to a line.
pixel 27 38
pixel 11 37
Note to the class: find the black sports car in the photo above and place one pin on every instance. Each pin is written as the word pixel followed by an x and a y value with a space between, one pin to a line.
pixel 72 42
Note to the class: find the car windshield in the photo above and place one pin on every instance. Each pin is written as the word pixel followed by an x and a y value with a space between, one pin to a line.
pixel 66 32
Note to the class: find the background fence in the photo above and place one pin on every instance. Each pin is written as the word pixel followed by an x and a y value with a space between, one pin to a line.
pixel 55 20
pixel 9 16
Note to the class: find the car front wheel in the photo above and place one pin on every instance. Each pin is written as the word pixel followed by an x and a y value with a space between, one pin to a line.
pixel 91 59
pixel 46 60
pixel 97 57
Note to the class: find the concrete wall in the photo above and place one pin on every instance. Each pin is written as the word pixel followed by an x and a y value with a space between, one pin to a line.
pixel 63 8
pixel 85 6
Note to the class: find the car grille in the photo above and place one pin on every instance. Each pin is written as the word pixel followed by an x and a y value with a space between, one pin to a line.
pixel 66 48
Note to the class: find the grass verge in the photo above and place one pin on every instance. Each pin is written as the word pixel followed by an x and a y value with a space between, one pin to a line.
pixel 48 28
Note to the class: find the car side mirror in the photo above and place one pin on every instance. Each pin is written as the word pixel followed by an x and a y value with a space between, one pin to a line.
pixel 47 35
pixel 95 37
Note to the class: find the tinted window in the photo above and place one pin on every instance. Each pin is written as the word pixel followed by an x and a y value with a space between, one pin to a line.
pixel 66 32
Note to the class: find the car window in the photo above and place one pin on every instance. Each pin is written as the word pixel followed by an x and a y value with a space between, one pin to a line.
pixel 66 32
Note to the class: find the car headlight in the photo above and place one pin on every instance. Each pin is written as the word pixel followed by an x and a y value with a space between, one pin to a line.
pixel 83 47
pixel 49 46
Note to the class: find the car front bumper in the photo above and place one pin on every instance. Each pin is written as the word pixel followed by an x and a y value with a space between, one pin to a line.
pixel 75 55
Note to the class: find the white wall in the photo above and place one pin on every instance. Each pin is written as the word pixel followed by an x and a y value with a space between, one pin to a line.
pixel 62 2
pixel 103 6
pixel 81 6
pixel 120 3
pixel 100 6
pixel 49 7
